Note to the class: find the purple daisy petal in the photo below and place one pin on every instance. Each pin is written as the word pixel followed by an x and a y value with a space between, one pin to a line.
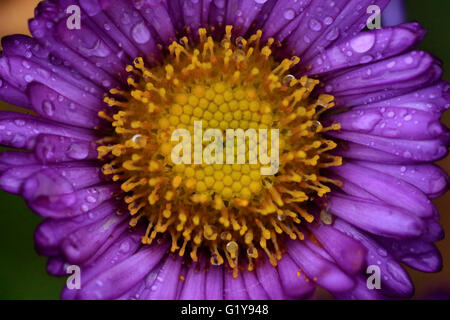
pixel 360 292
pixel 393 122
pixel 369 46
pixel 295 284
pixel 253 286
pixel 429 178
pixel 194 283
pixel 166 282
pixel 318 269
pixel 387 188
pixel 269 280
pixel 395 280
pixel 81 244
pixel 214 283
pixel 417 254
pixel 157 15
pixel 376 217
pixel 348 253
pixel 9 159
pixel 234 288
pixel 408 150
pixel 50 233
pixel 57 149
pixel 53 106
pixel 115 281
pixel 13 95
pixel 21 130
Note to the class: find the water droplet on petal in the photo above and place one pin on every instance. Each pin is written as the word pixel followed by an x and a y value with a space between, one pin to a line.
pixel 140 33
pixel 48 108
pixel 289 14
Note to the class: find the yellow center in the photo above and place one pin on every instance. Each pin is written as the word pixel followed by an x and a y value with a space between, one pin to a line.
pixel 231 211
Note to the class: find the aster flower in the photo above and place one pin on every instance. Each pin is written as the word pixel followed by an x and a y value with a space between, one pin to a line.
pixel 358 118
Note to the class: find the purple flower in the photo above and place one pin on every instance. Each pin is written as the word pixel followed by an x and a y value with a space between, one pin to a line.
pixel 358 115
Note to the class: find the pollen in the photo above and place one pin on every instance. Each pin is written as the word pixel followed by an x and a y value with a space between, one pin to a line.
pixel 228 210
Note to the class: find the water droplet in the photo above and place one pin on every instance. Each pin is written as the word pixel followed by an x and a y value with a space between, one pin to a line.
pixel 140 33
pixel 333 34
pixel 391 64
pixel 366 59
pixel 409 60
pixel 26 65
pixel 28 78
pixel 315 25
pixel 287 80
pixel 19 122
pixel 363 43
pixel 91 199
pixel 382 252
pixel 328 20
pixel 124 247
pixel 48 108
pixel 289 14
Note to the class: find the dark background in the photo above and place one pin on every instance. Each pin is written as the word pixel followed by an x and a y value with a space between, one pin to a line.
pixel 22 271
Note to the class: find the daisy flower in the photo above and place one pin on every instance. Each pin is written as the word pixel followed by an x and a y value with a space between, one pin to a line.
pixel 345 189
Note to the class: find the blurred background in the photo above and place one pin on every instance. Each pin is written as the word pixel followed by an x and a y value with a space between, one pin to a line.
pixel 22 271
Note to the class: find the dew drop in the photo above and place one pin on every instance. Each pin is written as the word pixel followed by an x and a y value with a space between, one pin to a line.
pixel 289 14
pixel 140 33
pixel 48 108
pixel 315 25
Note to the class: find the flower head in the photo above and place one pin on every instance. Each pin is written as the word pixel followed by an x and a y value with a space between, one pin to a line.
pixel 226 149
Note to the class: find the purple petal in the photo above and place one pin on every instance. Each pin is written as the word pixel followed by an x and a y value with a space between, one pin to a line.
pixel 429 178
pixel 122 277
pixel 234 287
pixel 348 253
pixel 393 122
pixel 394 279
pixel 360 291
pixel 358 151
pixel 55 149
pixel 50 196
pixel 253 286
pixel 214 283
pixel 81 244
pixel 50 233
pixel 320 270
pixel 409 150
pixel 270 280
pixel 367 47
pixel 376 217
pixel 295 284
pixel 194 283
pixel 156 14
pixel 49 104
pixel 387 188
pixel 114 253
pixel 416 254
pixel 166 283
pixel 20 130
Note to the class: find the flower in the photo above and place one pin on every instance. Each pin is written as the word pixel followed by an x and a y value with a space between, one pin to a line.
pixel 357 113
